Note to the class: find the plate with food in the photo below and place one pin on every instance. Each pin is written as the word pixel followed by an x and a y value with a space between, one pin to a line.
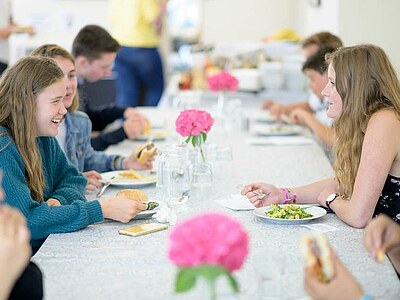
pixel 153 135
pixel 289 213
pixel 275 130
pixel 132 178
pixel 264 117
pixel 138 195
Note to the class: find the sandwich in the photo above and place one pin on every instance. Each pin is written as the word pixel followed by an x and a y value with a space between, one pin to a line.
pixel 144 152
pixel 146 128
pixel 137 195
pixel 317 254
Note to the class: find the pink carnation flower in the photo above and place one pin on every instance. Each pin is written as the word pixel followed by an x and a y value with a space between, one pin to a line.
pixel 212 239
pixel 222 81
pixel 193 122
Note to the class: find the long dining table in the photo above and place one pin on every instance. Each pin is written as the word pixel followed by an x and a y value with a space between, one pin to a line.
pixel 98 263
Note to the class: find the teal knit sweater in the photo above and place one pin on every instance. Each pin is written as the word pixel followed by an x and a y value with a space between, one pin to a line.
pixel 63 182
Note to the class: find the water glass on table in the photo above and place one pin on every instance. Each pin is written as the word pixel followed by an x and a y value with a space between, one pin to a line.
pixel 269 269
pixel 223 167
pixel 202 181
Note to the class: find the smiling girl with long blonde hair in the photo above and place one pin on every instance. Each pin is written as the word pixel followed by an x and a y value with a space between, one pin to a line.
pixel 364 99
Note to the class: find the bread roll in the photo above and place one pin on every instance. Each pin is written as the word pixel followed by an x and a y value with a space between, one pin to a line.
pixel 137 195
pixel 144 152
pixel 317 254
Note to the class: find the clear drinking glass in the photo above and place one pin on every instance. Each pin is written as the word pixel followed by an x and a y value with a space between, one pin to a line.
pixel 223 167
pixel 269 269
pixel 173 184
pixel 202 180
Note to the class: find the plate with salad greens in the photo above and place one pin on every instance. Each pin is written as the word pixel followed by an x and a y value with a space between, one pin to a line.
pixel 289 213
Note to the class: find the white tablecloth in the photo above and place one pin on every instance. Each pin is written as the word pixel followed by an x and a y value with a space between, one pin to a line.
pixel 98 263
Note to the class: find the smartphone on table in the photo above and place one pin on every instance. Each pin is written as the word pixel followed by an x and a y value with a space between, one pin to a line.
pixel 142 229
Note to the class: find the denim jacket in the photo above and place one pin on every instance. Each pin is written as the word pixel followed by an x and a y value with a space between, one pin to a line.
pixel 78 148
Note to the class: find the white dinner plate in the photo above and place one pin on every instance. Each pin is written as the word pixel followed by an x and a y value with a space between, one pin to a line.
pixel 275 130
pixel 154 135
pixel 129 182
pixel 316 211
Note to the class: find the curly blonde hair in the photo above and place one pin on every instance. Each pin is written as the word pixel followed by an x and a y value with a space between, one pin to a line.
pixel 366 82
pixel 19 87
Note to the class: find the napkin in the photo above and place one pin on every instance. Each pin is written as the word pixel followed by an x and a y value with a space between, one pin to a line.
pixel 280 141
pixel 236 202
pixel 321 227
pixel 165 215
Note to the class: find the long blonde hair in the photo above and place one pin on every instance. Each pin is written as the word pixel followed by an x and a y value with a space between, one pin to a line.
pixel 19 88
pixel 52 51
pixel 367 82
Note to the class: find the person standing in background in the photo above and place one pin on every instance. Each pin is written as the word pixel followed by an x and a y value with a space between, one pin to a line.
pixel 137 26
pixel 8 27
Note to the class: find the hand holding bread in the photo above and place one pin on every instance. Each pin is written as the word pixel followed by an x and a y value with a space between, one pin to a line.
pixel 133 194
pixel 145 153
pixel 318 255
pixel 381 236
pixel 141 158
pixel 125 205
pixel 325 277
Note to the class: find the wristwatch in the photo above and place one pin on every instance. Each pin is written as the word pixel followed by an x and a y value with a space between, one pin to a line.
pixel 330 199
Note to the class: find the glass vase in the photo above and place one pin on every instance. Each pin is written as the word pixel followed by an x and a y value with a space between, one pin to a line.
pixel 221 103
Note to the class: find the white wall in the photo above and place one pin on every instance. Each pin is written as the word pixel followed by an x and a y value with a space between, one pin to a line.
pixel 249 20
pixel 355 21
pixel 372 21
pixel 322 18
pixel 56 21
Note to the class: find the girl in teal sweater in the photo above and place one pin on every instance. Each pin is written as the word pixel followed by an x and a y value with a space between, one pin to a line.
pixel 38 179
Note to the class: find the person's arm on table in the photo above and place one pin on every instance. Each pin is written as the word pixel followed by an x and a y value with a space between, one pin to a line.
pixel 105 115
pixel 307 119
pixel 380 148
pixel 275 195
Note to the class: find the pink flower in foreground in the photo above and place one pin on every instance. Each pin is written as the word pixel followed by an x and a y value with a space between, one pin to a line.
pixel 193 122
pixel 212 239
pixel 222 81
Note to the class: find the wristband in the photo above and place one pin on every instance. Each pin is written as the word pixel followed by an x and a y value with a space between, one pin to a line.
pixel 121 158
pixel 289 196
pixel 118 162
pixel 366 297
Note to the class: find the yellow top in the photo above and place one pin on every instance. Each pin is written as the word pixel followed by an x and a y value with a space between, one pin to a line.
pixel 132 22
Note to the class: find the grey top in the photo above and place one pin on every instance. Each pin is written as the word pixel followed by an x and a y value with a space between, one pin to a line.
pixel 98 263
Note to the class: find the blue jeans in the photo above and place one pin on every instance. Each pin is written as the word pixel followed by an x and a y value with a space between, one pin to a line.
pixel 139 73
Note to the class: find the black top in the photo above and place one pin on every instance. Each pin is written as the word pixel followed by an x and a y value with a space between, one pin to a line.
pixel 100 117
pixel 29 285
pixel 389 200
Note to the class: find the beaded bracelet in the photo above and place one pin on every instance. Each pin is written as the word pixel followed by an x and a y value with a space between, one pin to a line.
pixel 366 297
pixel 290 197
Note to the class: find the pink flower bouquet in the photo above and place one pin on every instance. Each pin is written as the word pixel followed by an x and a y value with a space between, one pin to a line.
pixel 207 245
pixel 194 125
pixel 222 81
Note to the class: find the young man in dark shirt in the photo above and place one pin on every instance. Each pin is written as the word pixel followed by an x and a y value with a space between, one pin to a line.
pixel 94 50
